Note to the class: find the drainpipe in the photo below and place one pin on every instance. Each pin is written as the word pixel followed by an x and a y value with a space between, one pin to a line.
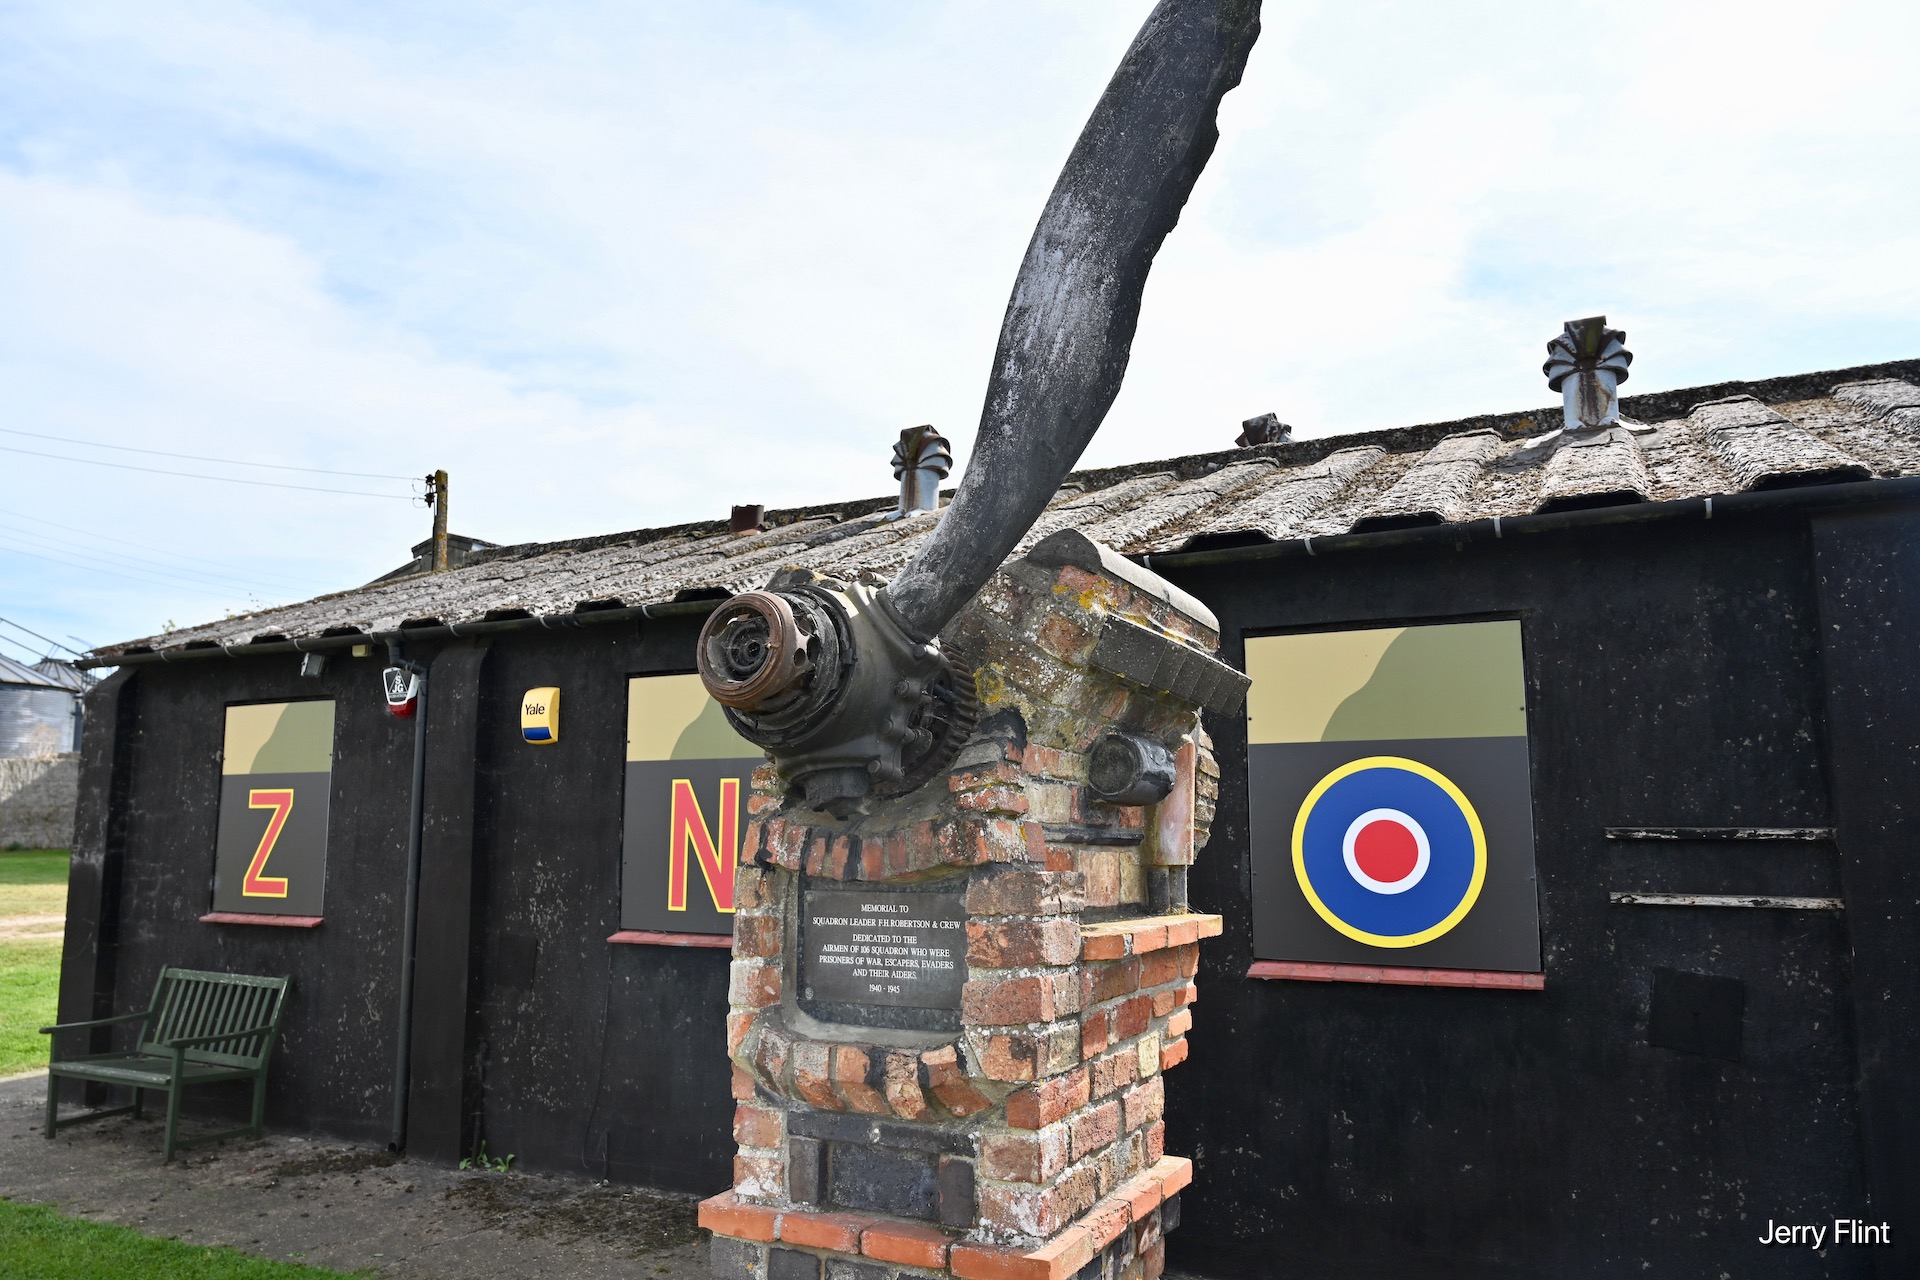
pixel 403 1048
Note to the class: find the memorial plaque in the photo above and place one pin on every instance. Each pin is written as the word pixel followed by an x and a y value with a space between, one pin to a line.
pixel 879 949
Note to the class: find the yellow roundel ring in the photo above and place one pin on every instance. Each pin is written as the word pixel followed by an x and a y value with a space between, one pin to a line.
pixel 1320 908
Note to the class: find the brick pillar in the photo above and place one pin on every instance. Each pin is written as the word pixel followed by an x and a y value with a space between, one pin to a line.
pixel 973 1086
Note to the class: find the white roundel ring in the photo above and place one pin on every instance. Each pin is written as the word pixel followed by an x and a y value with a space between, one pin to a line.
pixel 1378 859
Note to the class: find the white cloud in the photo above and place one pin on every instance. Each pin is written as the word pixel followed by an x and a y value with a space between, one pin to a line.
pixel 617 266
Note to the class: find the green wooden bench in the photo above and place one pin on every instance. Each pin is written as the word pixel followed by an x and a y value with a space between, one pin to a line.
pixel 201 1028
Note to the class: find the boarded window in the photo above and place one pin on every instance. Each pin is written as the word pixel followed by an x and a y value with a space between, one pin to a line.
pixel 686 808
pixel 276 781
pixel 1387 782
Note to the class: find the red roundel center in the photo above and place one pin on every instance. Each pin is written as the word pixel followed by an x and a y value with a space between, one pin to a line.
pixel 1386 851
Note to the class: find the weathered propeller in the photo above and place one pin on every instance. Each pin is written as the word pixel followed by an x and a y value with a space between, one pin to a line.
pixel 842 684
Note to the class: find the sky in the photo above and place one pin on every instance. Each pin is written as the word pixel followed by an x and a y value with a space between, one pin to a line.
pixel 619 265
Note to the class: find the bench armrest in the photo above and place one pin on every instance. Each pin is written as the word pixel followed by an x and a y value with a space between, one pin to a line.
pixel 97 1022
pixel 192 1042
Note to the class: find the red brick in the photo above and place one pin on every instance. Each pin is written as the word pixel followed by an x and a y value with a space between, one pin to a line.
pixel 1018 1209
pixel 1164 1003
pixel 1173 1053
pixel 1019 1156
pixel 1189 959
pixel 839 854
pixel 1115 1071
pixel 1142 1194
pixel 1094 1128
pixel 1159 968
pixel 758 804
pixel 727 1215
pixel 901 1084
pixel 1049 1100
pixel 1001 1002
pixel 1012 944
pixel 1180 1023
pixel 1000 799
pixel 1153 1261
pixel 1185 994
pixel 906 1244
pixel 738 1025
pixel 996 840
pixel 1093 1034
pixel 759 1176
pixel 1176 1173
pixel 1210 927
pixel 977 776
pixel 770 1056
pixel 813 1075
pixel 1104 946
pixel 742 1084
pixel 837 1231
pixel 1131 1017
pixel 1110 981
pixel 1144 1104
pixel 753 890
pixel 850 1067
pixel 756 935
pixel 1106 1221
pixel 1060 858
pixel 1156 1136
pixel 755 1126
pixel 1010 1056
pixel 1058 1259
pixel 1183 933
pixel 1146 937
pixel 753 984
pixel 949 1083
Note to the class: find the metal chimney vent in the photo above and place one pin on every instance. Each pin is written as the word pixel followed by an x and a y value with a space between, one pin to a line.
pixel 750 518
pixel 1265 429
pixel 1587 363
pixel 920 462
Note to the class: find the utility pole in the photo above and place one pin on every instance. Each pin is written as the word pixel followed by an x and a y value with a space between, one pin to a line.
pixel 437 499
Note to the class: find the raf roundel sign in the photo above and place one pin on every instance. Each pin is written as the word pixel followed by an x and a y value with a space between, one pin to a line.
pixel 1389 852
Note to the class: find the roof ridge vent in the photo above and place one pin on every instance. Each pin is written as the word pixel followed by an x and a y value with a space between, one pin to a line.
pixel 921 461
pixel 1587 363
pixel 1265 429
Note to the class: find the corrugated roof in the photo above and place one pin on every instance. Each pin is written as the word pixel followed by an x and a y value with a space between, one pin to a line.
pixel 19 673
pixel 1853 424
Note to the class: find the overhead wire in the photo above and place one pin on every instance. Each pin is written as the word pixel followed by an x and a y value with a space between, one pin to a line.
pixel 218 571
pixel 196 589
pixel 196 457
pixel 90 558
pixel 195 475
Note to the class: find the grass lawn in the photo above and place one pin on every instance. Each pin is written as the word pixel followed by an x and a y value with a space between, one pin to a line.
pixel 33 882
pixel 36 1241
pixel 29 984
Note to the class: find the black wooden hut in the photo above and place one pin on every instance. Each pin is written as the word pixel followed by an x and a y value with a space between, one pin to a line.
pixel 1696 1017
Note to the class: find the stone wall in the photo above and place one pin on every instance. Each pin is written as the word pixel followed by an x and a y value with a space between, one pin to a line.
pixel 37 796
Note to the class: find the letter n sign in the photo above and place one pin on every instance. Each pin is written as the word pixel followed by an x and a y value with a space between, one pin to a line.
pixel 687 778
pixel 276 779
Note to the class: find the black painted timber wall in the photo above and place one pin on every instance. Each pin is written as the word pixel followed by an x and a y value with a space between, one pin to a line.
pixel 1742 671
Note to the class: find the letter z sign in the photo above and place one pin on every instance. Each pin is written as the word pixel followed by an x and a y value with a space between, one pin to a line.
pixel 257 884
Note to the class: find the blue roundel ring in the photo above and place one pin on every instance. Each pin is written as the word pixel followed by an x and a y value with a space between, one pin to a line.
pixel 1425 902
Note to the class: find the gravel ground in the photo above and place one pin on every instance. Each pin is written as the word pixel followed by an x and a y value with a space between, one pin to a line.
pixel 344 1206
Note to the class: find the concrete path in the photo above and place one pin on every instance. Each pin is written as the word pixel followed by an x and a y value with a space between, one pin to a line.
pixel 343 1206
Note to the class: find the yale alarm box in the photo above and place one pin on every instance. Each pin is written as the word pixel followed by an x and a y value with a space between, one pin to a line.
pixel 540 716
